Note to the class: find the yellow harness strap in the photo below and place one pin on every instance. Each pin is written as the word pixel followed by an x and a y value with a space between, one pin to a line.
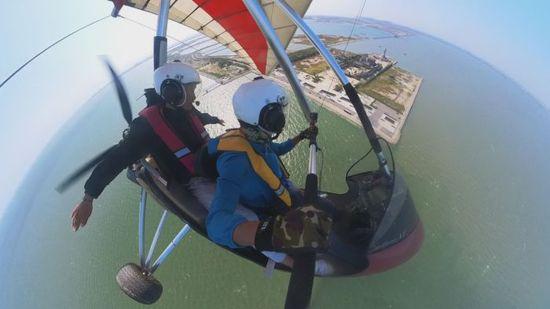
pixel 234 140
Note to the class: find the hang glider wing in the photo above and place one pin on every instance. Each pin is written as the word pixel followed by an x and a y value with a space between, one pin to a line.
pixel 229 23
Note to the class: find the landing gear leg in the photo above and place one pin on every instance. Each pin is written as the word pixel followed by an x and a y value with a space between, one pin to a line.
pixel 137 281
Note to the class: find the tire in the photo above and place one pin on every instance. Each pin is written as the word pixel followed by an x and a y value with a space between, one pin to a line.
pixel 139 285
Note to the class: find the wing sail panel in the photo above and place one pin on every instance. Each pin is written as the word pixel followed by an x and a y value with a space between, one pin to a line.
pixel 229 23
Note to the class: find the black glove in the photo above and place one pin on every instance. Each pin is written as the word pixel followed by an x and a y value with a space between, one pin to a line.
pixel 303 229
pixel 309 132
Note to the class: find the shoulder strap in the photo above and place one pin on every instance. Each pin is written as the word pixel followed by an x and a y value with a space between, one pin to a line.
pixel 158 123
pixel 234 140
pixel 198 126
pixel 169 137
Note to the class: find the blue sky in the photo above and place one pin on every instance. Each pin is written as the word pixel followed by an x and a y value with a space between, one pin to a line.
pixel 512 36
pixel 497 31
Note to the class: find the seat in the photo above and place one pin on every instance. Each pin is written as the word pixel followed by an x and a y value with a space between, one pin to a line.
pixel 173 196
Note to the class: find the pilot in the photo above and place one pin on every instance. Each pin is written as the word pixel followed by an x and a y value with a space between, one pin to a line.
pixel 170 129
pixel 254 203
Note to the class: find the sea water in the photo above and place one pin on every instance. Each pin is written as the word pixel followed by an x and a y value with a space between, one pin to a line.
pixel 474 153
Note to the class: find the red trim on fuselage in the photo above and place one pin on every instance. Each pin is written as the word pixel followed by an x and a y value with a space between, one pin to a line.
pixel 396 254
pixel 233 16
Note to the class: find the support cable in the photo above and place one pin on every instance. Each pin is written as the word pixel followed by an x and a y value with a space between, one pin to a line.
pixel 52 45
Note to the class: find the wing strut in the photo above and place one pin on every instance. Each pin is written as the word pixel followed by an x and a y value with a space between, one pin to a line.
pixel 350 90
pixel 160 47
pixel 257 12
pixel 301 280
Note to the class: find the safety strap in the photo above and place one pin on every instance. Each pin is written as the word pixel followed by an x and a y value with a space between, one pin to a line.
pixel 169 137
pixel 234 140
pixel 197 126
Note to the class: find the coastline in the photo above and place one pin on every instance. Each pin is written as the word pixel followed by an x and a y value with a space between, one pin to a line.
pixel 386 120
pixel 412 99
pixel 380 127
pixel 387 91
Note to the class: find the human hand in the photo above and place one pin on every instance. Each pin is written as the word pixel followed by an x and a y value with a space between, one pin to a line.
pixel 81 213
pixel 309 132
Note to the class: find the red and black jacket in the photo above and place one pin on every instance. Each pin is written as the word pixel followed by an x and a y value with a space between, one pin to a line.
pixel 170 136
pixel 176 144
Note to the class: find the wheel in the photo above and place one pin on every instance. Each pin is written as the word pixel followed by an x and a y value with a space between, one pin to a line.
pixel 138 284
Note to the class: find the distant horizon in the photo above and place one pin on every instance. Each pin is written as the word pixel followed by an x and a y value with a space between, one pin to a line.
pixel 494 67
pixel 472 27
pixel 479 194
pixel 493 30
pixel 86 105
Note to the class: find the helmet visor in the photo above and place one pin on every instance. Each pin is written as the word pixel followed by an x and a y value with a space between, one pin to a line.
pixel 273 117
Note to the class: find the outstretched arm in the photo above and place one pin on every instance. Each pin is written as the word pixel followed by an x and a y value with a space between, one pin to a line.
pixel 131 148
pixel 128 150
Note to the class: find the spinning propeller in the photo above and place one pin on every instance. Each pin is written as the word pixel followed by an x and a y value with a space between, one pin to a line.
pixel 127 113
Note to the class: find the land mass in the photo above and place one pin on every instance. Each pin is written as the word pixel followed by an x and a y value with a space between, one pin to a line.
pixel 387 91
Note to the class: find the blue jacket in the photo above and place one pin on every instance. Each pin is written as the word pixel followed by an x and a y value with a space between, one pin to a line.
pixel 238 183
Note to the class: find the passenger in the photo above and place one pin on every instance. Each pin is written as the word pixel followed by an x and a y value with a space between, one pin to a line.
pixel 170 129
pixel 250 174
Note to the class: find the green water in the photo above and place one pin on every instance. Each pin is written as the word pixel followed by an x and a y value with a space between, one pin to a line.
pixel 473 151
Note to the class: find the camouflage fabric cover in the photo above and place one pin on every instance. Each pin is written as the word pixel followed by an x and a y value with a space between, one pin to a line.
pixel 302 228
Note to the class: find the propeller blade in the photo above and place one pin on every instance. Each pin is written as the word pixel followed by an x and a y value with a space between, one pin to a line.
pixel 76 175
pixel 301 282
pixel 126 112
pixel 122 96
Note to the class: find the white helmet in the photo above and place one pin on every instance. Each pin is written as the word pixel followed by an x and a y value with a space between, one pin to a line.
pixel 170 78
pixel 261 103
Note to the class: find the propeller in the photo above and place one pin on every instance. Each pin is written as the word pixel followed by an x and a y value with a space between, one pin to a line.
pixel 121 92
pixel 126 112
pixel 76 175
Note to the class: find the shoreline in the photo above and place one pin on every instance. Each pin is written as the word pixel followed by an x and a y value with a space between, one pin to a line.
pixel 340 110
pixel 387 122
pixel 387 92
pixel 410 104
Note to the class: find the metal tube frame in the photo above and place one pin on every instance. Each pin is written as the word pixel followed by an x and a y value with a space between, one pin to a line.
pixel 329 58
pixel 141 228
pixel 173 244
pixel 257 12
pixel 162 20
pixel 156 238
pixel 160 45
pixel 146 262
pixel 314 39
pixel 312 167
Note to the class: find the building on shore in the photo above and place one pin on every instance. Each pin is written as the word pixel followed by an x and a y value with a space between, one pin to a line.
pixel 387 92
